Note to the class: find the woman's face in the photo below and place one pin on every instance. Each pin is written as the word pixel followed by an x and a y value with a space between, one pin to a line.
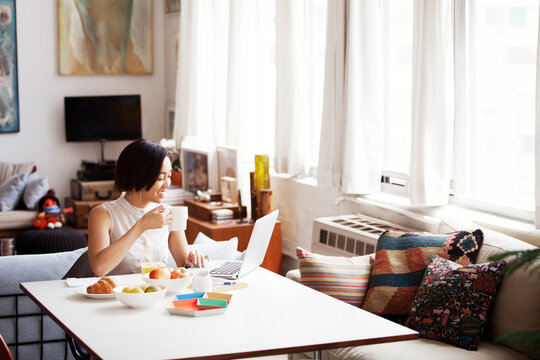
pixel 163 182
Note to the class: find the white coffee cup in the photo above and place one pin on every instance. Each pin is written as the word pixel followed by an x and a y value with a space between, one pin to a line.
pixel 179 220
pixel 202 282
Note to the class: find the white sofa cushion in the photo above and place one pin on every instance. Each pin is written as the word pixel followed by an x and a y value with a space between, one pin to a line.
pixel 421 349
pixel 16 219
pixel 217 250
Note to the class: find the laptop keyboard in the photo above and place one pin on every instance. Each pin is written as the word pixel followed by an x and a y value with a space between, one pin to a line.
pixel 228 268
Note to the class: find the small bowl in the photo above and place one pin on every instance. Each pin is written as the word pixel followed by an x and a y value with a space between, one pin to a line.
pixel 172 285
pixel 139 300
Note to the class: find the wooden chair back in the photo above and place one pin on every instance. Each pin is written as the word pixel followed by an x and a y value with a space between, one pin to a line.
pixel 4 350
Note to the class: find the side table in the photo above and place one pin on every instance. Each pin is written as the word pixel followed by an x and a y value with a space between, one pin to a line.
pixel 222 232
pixel 42 241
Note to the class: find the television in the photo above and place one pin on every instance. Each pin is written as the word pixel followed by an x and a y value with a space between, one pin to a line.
pixel 102 118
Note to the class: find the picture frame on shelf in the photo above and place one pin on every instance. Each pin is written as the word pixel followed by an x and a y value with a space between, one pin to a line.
pixel 227 158
pixel 195 173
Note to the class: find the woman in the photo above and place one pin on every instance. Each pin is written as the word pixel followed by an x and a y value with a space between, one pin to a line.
pixel 123 232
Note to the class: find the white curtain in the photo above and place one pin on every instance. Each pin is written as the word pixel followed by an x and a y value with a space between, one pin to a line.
pixel 432 103
pixel 351 147
pixel 300 48
pixel 224 90
pixel 291 90
pixel 537 134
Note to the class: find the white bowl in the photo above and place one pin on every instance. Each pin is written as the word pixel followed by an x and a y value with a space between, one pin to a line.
pixel 172 285
pixel 139 300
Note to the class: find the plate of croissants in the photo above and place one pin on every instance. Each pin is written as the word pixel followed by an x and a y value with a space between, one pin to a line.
pixel 102 289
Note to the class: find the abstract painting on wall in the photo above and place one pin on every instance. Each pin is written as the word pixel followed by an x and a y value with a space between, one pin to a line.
pixel 104 37
pixel 9 93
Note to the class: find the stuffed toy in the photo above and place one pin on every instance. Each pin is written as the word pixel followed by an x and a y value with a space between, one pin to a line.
pixel 50 215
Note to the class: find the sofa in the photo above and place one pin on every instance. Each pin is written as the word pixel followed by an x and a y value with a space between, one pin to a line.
pixel 21 186
pixel 516 306
pixel 21 318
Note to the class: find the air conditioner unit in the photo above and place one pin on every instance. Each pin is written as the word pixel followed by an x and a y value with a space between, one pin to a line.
pixel 348 235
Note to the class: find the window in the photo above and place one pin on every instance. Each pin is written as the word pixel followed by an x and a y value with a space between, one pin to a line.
pixel 397 71
pixel 495 116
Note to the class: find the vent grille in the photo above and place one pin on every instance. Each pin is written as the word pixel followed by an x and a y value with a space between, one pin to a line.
pixel 349 234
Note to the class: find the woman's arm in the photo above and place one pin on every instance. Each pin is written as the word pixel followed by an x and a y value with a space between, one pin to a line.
pixel 103 255
pixel 180 251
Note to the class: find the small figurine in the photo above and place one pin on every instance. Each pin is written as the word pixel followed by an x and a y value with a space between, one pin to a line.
pixel 50 215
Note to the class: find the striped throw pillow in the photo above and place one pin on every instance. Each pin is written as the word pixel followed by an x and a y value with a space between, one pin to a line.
pixel 344 278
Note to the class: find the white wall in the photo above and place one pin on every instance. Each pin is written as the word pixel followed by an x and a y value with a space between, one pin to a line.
pixel 41 92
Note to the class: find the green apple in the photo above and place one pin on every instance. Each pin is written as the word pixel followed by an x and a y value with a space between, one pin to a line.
pixel 152 288
pixel 137 290
pixel 127 289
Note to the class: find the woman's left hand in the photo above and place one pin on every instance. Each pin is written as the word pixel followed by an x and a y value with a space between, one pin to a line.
pixel 196 259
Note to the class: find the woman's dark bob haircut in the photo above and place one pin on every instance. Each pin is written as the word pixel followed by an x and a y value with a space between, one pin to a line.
pixel 139 165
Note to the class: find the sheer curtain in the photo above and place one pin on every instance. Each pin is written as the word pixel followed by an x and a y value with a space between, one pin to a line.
pixel 225 87
pixel 537 135
pixel 432 103
pixel 300 43
pixel 351 147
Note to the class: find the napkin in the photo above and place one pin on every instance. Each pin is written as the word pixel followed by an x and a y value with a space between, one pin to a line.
pixel 76 282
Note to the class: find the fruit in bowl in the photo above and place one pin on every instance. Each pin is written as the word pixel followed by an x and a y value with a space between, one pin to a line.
pixel 160 273
pixel 180 272
pixel 140 295
pixel 179 280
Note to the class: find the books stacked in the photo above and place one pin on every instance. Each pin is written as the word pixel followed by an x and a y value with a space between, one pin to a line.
pixel 176 195
pixel 220 216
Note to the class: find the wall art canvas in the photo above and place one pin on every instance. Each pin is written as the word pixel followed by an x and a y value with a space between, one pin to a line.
pixel 9 92
pixel 105 37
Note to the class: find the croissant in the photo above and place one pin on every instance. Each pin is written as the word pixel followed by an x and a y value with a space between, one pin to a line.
pixel 105 285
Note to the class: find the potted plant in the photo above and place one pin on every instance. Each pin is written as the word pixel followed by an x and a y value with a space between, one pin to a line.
pixel 528 340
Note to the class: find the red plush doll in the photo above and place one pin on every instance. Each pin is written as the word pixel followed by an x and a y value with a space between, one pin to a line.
pixel 50 215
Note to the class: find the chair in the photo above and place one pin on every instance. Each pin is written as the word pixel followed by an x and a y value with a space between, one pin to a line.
pixel 4 350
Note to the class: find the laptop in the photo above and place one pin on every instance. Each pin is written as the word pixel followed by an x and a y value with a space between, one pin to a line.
pixel 254 256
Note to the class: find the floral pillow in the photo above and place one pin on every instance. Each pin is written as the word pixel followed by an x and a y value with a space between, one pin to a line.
pixel 453 301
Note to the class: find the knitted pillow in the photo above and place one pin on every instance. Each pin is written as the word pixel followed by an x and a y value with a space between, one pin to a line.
pixel 453 301
pixel 344 278
pixel 401 259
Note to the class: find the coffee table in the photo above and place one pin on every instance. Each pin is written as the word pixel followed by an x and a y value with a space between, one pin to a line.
pixel 273 315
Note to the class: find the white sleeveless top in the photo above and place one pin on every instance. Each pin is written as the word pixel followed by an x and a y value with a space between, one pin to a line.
pixel 153 243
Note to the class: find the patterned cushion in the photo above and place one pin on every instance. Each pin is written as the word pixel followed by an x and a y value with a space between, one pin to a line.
pixel 453 301
pixel 401 259
pixel 344 278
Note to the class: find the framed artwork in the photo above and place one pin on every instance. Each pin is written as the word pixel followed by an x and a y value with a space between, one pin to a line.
pixel 172 6
pixel 227 158
pixel 112 39
pixel 9 92
pixel 195 170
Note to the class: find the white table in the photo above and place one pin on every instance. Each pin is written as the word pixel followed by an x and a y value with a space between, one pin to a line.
pixel 273 315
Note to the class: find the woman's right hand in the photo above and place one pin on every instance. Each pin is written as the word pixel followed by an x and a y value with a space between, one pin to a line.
pixel 156 218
